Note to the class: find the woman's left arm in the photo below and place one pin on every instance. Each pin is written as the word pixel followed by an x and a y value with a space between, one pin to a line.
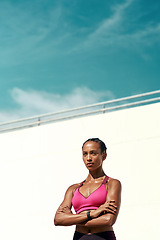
pixel 107 213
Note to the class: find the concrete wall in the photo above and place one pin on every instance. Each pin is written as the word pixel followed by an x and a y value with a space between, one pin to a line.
pixel 38 164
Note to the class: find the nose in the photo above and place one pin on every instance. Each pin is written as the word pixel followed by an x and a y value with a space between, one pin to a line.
pixel 89 158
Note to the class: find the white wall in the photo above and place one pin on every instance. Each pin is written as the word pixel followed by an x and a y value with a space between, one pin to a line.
pixel 38 164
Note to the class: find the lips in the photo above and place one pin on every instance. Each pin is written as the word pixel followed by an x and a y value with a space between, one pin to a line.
pixel 89 164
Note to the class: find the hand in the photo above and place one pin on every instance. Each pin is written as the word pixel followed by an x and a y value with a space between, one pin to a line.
pixel 107 207
pixel 65 209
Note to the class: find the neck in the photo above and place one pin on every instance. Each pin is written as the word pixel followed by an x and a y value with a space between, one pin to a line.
pixel 96 174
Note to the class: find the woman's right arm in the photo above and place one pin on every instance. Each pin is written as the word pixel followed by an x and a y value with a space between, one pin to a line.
pixel 107 213
pixel 64 215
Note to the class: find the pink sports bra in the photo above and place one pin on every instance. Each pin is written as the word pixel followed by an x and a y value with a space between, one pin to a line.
pixel 93 201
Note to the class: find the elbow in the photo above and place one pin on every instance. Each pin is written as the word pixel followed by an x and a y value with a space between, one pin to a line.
pixel 57 221
pixel 110 220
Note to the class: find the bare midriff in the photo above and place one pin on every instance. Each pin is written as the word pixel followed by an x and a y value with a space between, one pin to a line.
pixel 94 229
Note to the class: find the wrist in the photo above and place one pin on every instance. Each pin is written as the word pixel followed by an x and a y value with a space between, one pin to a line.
pixel 89 217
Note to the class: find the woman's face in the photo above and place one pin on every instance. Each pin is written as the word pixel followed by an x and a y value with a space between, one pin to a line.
pixel 92 155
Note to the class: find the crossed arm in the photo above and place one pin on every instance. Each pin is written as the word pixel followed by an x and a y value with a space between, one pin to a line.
pixel 106 214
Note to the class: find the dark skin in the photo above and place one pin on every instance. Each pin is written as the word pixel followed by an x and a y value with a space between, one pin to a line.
pixel 105 216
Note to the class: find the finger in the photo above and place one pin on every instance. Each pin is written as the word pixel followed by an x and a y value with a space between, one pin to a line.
pixel 111 208
pixel 113 205
pixel 111 201
pixel 109 211
pixel 112 212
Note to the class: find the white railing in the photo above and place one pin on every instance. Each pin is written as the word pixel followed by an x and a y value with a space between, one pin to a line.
pixel 103 107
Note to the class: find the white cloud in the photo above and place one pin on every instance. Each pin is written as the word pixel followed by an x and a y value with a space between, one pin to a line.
pixel 110 24
pixel 108 29
pixel 148 35
pixel 114 32
pixel 26 35
pixel 32 102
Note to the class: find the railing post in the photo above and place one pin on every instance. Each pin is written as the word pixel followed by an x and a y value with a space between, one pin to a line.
pixel 104 108
pixel 39 121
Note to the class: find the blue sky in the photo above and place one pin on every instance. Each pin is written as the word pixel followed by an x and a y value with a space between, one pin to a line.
pixel 60 54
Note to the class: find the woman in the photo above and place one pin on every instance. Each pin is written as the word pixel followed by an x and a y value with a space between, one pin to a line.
pixel 96 200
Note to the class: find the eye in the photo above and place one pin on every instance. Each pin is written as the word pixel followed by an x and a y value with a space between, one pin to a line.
pixel 93 153
pixel 84 153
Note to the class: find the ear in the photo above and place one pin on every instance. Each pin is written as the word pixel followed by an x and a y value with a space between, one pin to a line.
pixel 104 155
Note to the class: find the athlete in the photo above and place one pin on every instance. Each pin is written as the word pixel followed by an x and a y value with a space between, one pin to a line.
pixel 96 200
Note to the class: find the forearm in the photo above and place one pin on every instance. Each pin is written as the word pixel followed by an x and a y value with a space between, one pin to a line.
pixel 68 219
pixel 103 220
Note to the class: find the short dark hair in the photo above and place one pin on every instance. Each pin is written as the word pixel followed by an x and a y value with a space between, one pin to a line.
pixel 101 143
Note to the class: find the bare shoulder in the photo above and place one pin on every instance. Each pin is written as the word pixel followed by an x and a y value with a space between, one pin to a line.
pixel 114 190
pixel 72 188
pixel 67 201
pixel 114 183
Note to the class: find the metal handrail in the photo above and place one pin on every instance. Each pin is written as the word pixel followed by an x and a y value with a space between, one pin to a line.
pixel 38 120
pixel 83 107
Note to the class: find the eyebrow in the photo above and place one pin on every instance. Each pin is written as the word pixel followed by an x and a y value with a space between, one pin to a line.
pixel 92 150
